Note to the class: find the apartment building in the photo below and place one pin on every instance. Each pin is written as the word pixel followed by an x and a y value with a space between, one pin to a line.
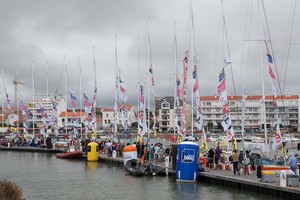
pixel 166 114
pixel 45 105
pixel 288 106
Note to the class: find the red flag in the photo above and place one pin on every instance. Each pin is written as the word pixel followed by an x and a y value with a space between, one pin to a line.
pixel 271 73
pixel 221 87
pixel 122 89
pixel 195 86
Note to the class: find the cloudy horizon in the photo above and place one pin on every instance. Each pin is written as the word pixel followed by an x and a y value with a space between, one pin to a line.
pixel 72 33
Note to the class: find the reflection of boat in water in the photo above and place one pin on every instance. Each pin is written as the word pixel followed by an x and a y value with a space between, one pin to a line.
pixel 72 154
pixel 136 168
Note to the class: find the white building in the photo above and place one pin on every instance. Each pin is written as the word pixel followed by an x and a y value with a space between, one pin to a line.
pixel 288 106
pixel 46 103
pixel 108 116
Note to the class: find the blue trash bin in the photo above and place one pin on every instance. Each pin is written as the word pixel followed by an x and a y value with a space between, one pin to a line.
pixel 187 162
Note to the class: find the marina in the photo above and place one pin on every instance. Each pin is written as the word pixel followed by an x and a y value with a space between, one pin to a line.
pixel 169 107
pixel 214 177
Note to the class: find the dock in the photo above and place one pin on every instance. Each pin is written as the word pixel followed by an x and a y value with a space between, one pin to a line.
pixel 219 177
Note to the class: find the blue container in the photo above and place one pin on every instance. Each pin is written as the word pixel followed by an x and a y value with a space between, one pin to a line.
pixel 187 162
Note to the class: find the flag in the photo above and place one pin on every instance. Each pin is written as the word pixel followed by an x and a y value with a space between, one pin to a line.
pixel 154 133
pixel 277 138
pixel 179 139
pixel 122 89
pixel 196 86
pixel 271 73
pixel 270 59
pixel 234 146
pixel 222 75
pixel 172 138
pixel 230 134
pixel 194 72
pixel 222 87
pixel 94 135
pixel 177 81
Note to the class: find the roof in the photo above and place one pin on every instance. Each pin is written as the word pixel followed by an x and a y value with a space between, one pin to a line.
pixel 170 100
pixel 249 98
pixel 71 114
pixel 129 106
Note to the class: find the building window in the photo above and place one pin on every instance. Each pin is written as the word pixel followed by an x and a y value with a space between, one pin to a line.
pixel 106 114
pixel 105 121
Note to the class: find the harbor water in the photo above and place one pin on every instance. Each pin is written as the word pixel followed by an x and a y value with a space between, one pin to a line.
pixel 43 176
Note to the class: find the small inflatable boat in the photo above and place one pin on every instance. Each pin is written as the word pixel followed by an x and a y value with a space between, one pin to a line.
pixel 136 168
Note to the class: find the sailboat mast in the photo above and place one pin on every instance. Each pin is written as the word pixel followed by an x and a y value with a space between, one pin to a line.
pixel 47 81
pixel 263 82
pixel 2 103
pixel 191 67
pixel 33 103
pixel 16 100
pixel 175 86
pixel 80 95
pixel 66 96
pixel 116 90
pixel 148 78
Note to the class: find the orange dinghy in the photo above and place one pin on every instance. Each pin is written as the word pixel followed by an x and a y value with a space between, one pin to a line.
pixel 68 155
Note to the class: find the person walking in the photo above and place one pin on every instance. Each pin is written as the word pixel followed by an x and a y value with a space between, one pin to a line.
pixel 156 151
pixel 235 162
pixel 247 163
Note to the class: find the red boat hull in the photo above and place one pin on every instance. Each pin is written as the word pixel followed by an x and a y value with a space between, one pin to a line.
pixel 73 154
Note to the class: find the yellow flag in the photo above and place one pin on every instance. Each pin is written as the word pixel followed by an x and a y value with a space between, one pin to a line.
pixel 94 135
pixel 282 150
pixel 179 139
pixel 13 129
pixel 234 146
pixel 139 138
pixel 203 146
pixel 155 132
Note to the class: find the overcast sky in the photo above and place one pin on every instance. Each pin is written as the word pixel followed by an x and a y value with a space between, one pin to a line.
pixel 46 31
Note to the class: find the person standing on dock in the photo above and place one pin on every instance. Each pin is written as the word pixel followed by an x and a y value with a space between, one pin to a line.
pixel 235 162
pixel 218 153
pixel 292 162
pixel 211 154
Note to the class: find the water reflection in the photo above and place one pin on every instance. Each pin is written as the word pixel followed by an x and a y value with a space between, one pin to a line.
pixel 43 176
pixel 92 165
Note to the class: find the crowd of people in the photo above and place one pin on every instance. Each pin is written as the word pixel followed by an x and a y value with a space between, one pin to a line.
pixel 241 161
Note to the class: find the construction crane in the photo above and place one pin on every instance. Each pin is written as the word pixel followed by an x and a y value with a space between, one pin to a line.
pixel 15 82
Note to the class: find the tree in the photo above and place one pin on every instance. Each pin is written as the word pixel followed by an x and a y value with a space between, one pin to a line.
pixel 210 125
pixel 220 127
pixel 134 125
